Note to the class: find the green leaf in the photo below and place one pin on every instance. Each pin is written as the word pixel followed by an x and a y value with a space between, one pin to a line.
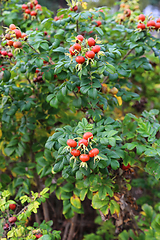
pixel 49 97
pixel 92 93
pixel 124 235
pixel 39 62
pixel 66 206
pixel 48 75
pixel 83 193
pixel 99 30
pixel 45 190
pixel 97 203
pixel 54 102
pixel 79 175
pixel 46 237
pixel 68 187
pixel 75 201
pixel 110 68
pixel 148 210
pixel 48 182
pixel 111 133
pixel 115 164
pixel 66 195
pixel 130 146
pixel 9 150
pixel 69 214
pixel 60 49
pixel 6 76
pixel 44 45
pixel 114 207
pixel 102 192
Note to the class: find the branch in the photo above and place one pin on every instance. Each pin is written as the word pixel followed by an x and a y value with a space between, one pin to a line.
pixel 77 28
pixel 11 96
pixel 66 231
pixel 73 225
pixel 75 94
pixel 126 55
pixel 102 216
pixel 105 79
pixel 28 80
pixel 32 48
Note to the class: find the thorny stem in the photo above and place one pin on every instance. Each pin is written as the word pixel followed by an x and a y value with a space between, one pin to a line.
pixel 77 28
pixel 75 94
pixel 33 48
pixel 25 208
pixel 126 55
pixel 73 225
pixel 66 231
pixel 102 215
pixel 105 79
pixel 11 96
pixel 28 80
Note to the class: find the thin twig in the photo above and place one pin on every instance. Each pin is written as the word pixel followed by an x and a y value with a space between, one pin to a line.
pixel 66 231
pixel 23 209
pixel 73 225
pixel 28 80
pixel 75 94
pixel 102 215
pixel 33 48
pixel 105 79
pixel 11 96
pixel 77 28
pixel 45 211
pixel 126 55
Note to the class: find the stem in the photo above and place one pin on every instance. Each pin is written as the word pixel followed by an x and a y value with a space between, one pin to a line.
pixel 102 215
pixel 77 28
pixel 105 79
pixel 37 218
pixel 75 94
pixel 11 96
pixel 23 209
pixel 32 48
pixel 126 55
pixel 73 225
pixel 28 80
pixel 45 211
pixel 66 231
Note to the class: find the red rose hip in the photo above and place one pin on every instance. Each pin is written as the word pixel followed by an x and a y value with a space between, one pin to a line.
pixel 71 143
pixel 12 206
pixel 12 219
pixel 87 135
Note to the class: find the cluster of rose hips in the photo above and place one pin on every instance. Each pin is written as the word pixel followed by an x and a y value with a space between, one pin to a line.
pixel 98 22
pixel 75 8
pixel 5 53
pixel 82 149
pixel 11 220
pixel 31 9
pixel 12 36
pixel 88 48
pixel 150 24
pixel 58 18
pixel 2 67
pixel 39 78
pixel 126 13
